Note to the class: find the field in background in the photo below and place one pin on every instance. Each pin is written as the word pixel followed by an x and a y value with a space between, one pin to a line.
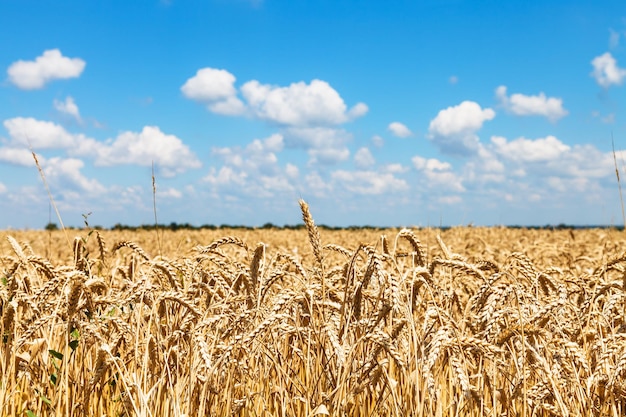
pixel 467 321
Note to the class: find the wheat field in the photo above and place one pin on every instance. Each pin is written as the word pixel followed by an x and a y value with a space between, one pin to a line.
pixel 466 321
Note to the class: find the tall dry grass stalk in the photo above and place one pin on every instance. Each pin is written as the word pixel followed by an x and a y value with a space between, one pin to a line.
pixel 54 205
pixel 154 209
pixel 619 184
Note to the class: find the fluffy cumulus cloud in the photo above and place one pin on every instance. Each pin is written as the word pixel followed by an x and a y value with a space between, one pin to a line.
pixel 454 129
pixel 584 161
pixel 258 155
pixel 438 174
pixel 68 107
pixel 27 131
pixel 378 141
pixel 215 88
pixel 530 150
pixel 328 156
pixel 324 145
pixel 169 193
pixel 315 185
pixel 567 185
pixel 168 153
pixel 489 161
pixel 430 164
pixel 400 130
pixel 535 168
pixel 225 177
pixel 66 174
pixel 606 72
pixel 17 156
pixel 299 104
pixel 292 171
pixel 308 115
pixel 369 182
pixel 65 177
pixel 363 158
pixel 484 168
pixel 539 105
pixel 253 170
pixel 52 65
pixel 358 110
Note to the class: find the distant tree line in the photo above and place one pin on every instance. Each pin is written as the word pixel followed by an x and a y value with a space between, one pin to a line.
pixel 188 226
pixel 173 226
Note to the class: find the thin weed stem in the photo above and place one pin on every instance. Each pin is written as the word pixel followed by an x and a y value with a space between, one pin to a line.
pixel 45 183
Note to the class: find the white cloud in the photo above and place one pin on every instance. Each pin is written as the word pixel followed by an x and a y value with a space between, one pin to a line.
pixel 530 150
pixel 450 200
pixel 272 184
pixel 299 104
pixel 230 181
pixel 536 168
pixel 210 84
pixel 567 185
pixel 216 88
pixel 454 129
pixel 484 168
pixel 52 65
pixel 38 134
pixel 252 171
pixel 359 109
pixel 292 171
pixel 538 105
pixel 274 143
pixel 489 161
pixel 465 117
pixel 169 154
pixel 3 188
pixel 395 168
pixel 67 176
pixel 258 155
pixel 399 130
pixel 369 182
pixel 308 115
pixel 438 174
pixel 316 185
pixel 17 156
pixel 606 72
pixel 378 141
pixel 430 164
pixel 68 107
pixel 328 156
pixel 363 158
pixel 226 176
pixel 324 145
pixel 230 106
pixel 169 193
pixel 584 161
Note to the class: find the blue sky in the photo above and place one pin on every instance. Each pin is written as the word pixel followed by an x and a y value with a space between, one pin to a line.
pixel 377 113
